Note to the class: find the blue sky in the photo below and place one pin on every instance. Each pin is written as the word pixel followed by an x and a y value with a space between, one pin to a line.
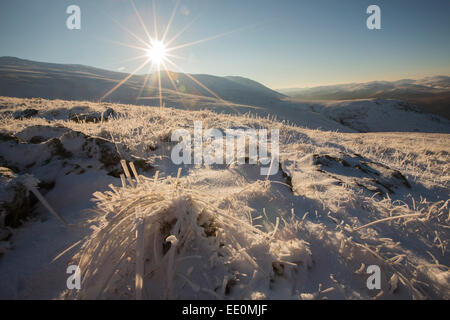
pixel 284 43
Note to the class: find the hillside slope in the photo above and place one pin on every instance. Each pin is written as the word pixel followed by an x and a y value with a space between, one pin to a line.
pixel 378 115
pixel 27 79
pixel 235 95
pixel 339 203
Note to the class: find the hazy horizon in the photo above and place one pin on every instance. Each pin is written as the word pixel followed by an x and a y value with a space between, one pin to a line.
pixel 364 81
pixel 273 88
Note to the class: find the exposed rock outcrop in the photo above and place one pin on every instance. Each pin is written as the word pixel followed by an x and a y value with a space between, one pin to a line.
pixel 14 201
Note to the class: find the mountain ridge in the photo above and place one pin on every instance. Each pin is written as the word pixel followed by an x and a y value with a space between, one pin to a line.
pixel 431 94
pixel 12 70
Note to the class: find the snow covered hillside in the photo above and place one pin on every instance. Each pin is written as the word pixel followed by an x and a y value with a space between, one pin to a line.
pixel 431 94
pixel 342 201
pixel 379 115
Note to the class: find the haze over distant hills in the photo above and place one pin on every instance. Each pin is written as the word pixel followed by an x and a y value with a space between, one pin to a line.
pixel 27 79
pixel 432 94
pixel 232 94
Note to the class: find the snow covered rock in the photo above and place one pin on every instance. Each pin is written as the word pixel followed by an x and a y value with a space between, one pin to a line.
pixel 100 149
pixel 38 134
pixel 93 117
pixel 24 155
pixel 323 171
pixel 25 114
pixel 108 113
pixel 42 145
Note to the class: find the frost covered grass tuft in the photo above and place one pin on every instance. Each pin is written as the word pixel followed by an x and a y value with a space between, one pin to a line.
pixel 187 247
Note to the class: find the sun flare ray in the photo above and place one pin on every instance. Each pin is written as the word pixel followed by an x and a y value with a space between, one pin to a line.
pixel 128 31
pixel 155 22
pixel 131 59
pixel 141 21
pixel 170 21
pixel 172 81
pixel 124 80
pixel 209 38
pixel 147 76
pixel 127 45
pixel 157 53
pixel 185 28
pixel 198 82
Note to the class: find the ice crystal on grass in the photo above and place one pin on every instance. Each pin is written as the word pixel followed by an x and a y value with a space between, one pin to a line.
pixel 191 248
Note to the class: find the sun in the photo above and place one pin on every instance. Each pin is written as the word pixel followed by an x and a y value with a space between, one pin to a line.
pixel 157 52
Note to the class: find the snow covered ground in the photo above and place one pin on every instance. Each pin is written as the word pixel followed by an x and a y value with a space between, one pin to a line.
pixel 380 115
pixel 341 202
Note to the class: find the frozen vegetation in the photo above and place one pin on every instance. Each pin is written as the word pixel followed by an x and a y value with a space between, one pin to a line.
pixel 342 201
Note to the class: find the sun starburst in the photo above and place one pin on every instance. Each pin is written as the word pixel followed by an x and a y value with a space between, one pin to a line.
pixel 157 54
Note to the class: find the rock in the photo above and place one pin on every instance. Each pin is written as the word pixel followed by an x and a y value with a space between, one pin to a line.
pixel 324 171
pixel 37 139
pixel 14 199
pixel 25 114
pixel 369 175
pixel 94 117
pixel 22 155
pixel 86 118
pixel 104 151
pixel 108 113
pixel 36 150
pixel 57 149
pixel 40 133
pixel 142 165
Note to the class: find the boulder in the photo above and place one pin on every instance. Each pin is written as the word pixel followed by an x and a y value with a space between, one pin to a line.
pixel 25 114
pixel 93 117
pixel 83 146
pixel 325 171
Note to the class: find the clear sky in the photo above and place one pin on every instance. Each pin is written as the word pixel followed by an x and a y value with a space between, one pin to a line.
pixel 281 43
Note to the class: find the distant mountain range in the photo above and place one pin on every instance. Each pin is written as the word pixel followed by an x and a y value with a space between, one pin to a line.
pixel 29 79
pixel 432 94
